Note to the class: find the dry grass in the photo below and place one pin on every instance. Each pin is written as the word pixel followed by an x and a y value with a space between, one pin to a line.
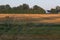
pixel 45 18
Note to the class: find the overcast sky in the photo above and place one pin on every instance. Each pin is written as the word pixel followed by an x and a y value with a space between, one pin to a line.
pixel 46 4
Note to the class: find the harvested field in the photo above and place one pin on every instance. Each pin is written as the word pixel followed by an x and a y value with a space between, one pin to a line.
pixel 44 18
pixel 42 33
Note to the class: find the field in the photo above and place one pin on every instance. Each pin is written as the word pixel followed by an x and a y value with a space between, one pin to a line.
pixel 50 18
pixel 30 26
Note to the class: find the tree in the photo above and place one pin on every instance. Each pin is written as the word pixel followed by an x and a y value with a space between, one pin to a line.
pixel 53 11
pixel 4 8
pixel 7 7
pixel 57 7
pixel 38 9
pixel 25 6
pixel 21 9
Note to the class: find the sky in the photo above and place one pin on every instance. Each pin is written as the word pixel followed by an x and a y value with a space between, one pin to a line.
pixel 45 4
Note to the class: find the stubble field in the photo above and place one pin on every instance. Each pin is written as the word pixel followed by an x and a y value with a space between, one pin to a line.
pixel 35 33
pixel 45 18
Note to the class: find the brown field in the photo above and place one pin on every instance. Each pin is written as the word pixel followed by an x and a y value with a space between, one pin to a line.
pixel 44 18
pixel 30 37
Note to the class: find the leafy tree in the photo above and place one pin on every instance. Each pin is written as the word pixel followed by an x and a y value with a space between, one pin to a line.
pixel 53 11
pixel 2 8
pixel 7 7
pixel 25 6
pixel 38 9
pixel 57 7
pixel 21 9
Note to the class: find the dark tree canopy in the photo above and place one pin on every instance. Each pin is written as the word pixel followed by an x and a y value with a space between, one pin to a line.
pixel 54 10
pixel 38 9
pixel 25 6
pixel 35 7
pixel 21 9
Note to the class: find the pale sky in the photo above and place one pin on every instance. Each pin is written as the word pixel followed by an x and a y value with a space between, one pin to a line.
pixel 46 4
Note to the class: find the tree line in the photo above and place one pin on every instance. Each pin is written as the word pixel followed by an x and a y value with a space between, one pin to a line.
pixel 24 8
pixel 21 9
pixel 54 10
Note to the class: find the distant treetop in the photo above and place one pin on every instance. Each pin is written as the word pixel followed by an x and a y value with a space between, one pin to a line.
pixel 21 9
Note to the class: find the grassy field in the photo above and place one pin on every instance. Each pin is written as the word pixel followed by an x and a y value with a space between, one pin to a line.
pixel 30 27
